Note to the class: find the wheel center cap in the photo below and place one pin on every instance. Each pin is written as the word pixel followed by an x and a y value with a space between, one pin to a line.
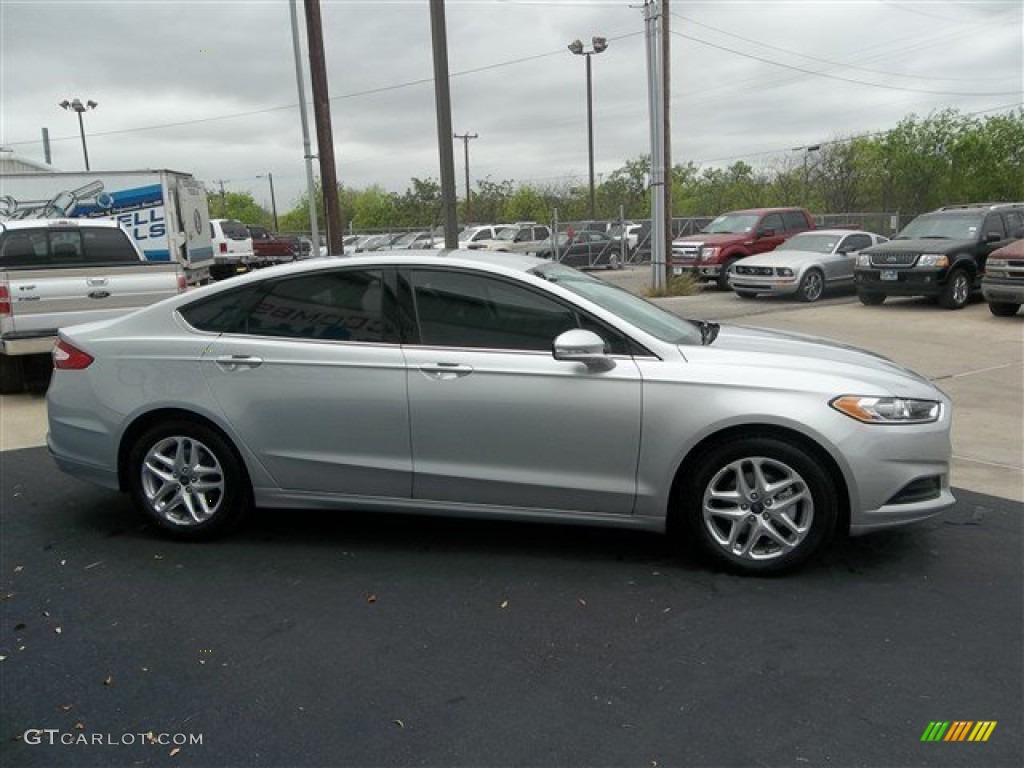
pixel 757 507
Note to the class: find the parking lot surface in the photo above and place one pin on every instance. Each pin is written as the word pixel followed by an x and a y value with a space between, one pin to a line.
pixel 312 639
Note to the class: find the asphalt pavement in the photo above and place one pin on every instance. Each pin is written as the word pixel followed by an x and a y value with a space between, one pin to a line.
pixel 312 639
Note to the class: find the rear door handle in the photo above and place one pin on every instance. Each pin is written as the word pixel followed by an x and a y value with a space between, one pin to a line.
pixel 238 362
pixel 446 371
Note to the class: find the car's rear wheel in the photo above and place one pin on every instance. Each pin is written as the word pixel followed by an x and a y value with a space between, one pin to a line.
pixel 957 290
pixel 188 480
pixel 871 299
pixel 759 505
pixel 812 286
pixel 1003 308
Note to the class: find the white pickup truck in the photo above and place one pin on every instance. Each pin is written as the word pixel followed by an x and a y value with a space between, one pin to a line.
pixel 60 272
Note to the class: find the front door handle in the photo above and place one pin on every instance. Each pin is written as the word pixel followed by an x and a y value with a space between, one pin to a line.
pixel 239 362
pixel 445 371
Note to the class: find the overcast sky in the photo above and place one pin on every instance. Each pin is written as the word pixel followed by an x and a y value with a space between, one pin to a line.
pixel 209 87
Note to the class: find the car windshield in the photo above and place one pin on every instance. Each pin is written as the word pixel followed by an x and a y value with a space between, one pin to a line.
pixel 465 234
pixel 646 316
pixel 943 226
pixel 406 239
pixel 731 224
pixel 507 234
pixel 813 242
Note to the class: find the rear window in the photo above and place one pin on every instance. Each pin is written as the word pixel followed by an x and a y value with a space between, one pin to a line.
pixel 48 247
pixel 234 230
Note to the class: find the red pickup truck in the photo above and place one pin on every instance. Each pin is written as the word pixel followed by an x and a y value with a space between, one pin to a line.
pixel 711 252
pixel 269 248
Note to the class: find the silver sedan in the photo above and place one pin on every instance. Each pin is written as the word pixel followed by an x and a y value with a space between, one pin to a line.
pixel 806 265
pixel 461 383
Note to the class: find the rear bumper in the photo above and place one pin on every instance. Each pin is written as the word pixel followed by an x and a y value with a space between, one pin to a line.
pixel 35 345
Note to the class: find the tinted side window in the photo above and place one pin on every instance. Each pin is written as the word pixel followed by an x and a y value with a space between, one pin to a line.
pixel 855 242
pixel 993 223
pixel 223 313
pixel 1014 221
pixel 794 221
pixel 773 221
pixel 342 305
pixel 107 245
pixel 456 309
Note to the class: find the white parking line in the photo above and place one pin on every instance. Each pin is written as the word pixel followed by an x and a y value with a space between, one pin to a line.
pixel 979 370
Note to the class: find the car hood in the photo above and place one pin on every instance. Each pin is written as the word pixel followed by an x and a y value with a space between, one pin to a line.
pixel 929 245
pixel 778 258
pixel 722 239
pixel 833 363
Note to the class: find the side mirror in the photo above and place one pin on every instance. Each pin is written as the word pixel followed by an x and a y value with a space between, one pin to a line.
pixel 580 346
pixel 993 237
pixel 766 233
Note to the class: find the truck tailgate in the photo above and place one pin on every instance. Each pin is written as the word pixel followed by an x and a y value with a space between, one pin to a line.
pixel 42 300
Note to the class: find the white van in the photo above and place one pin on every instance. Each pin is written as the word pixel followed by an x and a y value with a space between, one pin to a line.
pixel 232 248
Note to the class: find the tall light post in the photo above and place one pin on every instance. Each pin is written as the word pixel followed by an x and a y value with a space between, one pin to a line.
pixel 598 45
pixel 807 150
pixel 465 151
pixel 79 107
pixel 273 203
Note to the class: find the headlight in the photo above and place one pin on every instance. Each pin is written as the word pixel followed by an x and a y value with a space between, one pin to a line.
pixel 997 264
pixel 933 260
pixel 784 272
pixel 888 410
pixel 863 260
pixel 706 254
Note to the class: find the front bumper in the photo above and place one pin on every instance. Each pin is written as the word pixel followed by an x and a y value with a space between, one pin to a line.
pixel 697 269
pixel 901 282
pixel 1003 290
pixel 775 285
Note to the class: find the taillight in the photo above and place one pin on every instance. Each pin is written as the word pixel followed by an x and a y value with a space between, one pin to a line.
pixel 69 358
pixel 223 247
pixel 182 284
pixel 5 300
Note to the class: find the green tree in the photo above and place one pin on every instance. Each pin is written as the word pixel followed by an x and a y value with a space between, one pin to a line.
pixel 240 206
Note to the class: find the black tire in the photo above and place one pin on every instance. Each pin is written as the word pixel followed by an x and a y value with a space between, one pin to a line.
pixel 12 374
pixel 723 277
pixel 957 291
pixel 869 299
pixel 1003 308
pixel 812 286
pixel 204 454
pixel 747 294
pixel 744 545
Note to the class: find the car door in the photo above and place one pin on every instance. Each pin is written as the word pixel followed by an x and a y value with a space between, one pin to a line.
pixel 311 377
pixel 773 223
pixel 495 419
pixel 839 267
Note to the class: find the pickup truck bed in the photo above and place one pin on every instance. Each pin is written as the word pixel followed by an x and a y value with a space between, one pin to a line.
pixel 55 274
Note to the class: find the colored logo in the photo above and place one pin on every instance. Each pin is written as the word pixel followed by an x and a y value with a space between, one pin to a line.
pixel 959 730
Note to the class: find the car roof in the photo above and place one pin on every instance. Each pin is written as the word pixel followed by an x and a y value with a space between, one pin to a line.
pixel 37 223
pixel 763 210
pixel 838 231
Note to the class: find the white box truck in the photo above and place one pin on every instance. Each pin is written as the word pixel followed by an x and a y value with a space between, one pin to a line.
pixel 165 212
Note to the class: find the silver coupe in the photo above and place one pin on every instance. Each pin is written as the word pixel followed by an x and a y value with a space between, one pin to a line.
pixel 806 265
pixel 464 383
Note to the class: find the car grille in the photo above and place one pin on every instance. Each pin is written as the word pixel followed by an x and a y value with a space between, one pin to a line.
pixel 761 271
pixel 687 251
pixel 893 259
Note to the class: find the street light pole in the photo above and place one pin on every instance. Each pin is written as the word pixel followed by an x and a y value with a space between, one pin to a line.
pixel 599 44
pixel 807 150
pixel 465 152
pixel 77 106
pixel 273 202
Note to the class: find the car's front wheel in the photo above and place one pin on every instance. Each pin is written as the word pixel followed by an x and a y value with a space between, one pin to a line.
pixel 759 505
pixel 747 294
pixel 188 480
pixel 871 299
pixel 812 286
pixel 957 290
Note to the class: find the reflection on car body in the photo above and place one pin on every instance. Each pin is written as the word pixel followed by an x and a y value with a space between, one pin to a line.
pixel 490 385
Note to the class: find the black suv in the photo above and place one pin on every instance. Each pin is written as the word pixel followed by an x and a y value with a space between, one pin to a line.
pixel 940 254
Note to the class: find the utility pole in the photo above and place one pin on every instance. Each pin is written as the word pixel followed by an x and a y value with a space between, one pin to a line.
pixel 666 94
pixel 443 108
pixel 307 152
pixel 223 202
pixel 465 151
pixel 324 134
pixel 656 121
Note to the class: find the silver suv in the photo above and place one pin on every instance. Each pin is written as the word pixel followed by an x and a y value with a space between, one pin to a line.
pixel 525 237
